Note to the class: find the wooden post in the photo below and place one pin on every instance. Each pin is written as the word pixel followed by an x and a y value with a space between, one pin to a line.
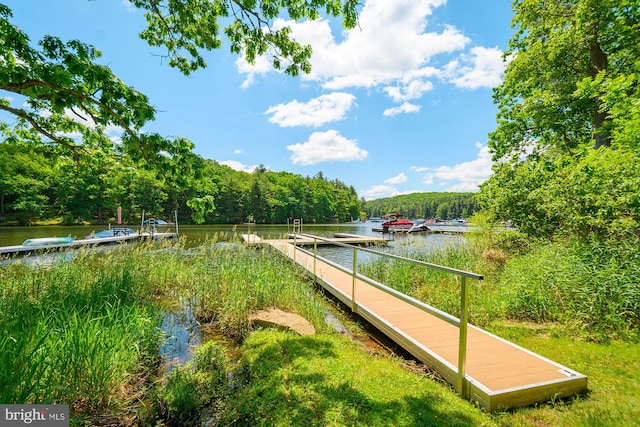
pixel 354 304
pixel 462 345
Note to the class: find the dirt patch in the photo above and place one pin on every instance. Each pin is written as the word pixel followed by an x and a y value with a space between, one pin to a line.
pixel 273 316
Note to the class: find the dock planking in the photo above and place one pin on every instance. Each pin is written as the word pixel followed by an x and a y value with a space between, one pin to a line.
pixel 309 239
pixel 498 374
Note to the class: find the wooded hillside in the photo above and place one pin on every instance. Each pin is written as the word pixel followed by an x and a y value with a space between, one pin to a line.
pixel 425 205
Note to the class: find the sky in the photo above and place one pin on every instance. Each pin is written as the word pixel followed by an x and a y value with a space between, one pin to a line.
pixel 400 104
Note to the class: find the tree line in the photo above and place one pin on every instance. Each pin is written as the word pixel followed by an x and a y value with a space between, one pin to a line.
pixel 40 183
pixel 426 205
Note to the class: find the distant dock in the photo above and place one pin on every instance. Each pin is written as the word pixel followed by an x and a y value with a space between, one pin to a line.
pixel 74 244
pixel 432 228
pixel 308 239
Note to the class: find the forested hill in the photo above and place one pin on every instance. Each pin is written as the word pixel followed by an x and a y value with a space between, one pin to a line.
pixel 38 184
pixel 425 205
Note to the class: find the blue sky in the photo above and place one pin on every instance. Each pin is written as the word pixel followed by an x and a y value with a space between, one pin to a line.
pixel 400 104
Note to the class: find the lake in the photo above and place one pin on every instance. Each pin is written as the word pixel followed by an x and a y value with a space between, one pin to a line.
pixel 195 235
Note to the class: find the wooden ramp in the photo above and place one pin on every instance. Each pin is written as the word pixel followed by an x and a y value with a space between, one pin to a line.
pixel 498 374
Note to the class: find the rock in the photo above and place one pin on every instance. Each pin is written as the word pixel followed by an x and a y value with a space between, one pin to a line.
pixel 273 316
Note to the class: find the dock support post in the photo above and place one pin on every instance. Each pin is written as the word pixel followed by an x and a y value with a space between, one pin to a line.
pixel 315 258
pixel 295 245
pixel 462 345
pixel 354 304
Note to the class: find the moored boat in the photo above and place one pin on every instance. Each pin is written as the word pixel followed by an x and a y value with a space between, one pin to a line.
pixel 394 222
pixel 112 232
pixel 47 241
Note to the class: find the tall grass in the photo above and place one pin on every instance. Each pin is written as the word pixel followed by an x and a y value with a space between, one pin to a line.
pixel 435 287
pixel 86 332
pixel 592 288
pixel 75 332
pixel 229 283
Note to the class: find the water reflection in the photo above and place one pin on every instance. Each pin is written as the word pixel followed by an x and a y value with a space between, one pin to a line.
pixel 402 244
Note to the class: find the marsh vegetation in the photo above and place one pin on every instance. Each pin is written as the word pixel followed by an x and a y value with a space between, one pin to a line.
pixel 87 332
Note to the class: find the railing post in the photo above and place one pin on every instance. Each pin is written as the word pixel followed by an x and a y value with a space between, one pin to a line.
pixel 315 257
pixel 462 345
pixel 295 246
pixel 354 305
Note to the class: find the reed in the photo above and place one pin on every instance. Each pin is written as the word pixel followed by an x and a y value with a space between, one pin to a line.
pixel 437 288
pixel 591 288
pixel 75 332
pixel 230 282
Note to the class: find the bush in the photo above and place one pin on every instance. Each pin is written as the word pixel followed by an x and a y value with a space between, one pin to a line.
pixel 591 287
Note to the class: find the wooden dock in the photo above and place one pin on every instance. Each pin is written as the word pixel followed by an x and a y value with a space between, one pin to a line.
pixel 432 228
pixel 309 239
pixel 497 374
pixel 6 251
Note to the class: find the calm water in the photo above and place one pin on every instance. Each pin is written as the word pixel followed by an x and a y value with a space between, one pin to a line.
pixel 197 234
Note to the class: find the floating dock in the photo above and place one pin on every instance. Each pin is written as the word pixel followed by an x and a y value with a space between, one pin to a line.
pixel 432 228
pixel 74 244
pixel 309 239
pixel 497 375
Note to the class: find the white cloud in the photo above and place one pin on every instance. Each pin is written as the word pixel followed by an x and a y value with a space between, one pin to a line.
pixel 404 108
pixel 483 68
pixel 239 166
pixel 327 146
pixel 417 168
pixel 398 179
pixel 238 151
pixel 317 112
pixel 378 191
pixel 390 47
pixel 414 89
pixel 465 176
pixel 261 66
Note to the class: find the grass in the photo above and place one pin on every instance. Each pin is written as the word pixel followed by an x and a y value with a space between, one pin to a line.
pixel 613 370
pixel 74 333
pixel 86 333
pixel 328 380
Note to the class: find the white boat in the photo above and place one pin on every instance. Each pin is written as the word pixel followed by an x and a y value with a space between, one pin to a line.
pixel 47 241
pixel 419 226
pixel 112 232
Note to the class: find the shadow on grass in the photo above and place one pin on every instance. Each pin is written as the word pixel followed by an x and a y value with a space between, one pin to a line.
pixel 328 380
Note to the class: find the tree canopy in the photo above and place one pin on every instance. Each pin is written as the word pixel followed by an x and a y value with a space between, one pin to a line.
pixel 425 205
pixel 71 98
pixel 36 184
pixel 572 77
pixel 567 142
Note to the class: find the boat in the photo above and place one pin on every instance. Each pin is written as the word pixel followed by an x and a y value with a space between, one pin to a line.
pixel 394 223
pixel 419 226
pixel 47 241
pixel 112 232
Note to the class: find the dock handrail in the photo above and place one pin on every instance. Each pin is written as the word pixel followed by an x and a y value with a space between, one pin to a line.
pixel 461 323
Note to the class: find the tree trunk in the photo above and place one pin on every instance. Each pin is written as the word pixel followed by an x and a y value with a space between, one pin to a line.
pixel 599 62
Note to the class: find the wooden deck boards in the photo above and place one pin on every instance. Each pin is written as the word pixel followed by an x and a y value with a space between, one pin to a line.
pixel 499 374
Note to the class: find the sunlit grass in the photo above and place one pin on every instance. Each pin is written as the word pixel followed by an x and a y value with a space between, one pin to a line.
pixel 329 380
pixel 75 333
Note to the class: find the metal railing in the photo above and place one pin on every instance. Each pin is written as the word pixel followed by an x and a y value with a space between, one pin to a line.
pixel 461 323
